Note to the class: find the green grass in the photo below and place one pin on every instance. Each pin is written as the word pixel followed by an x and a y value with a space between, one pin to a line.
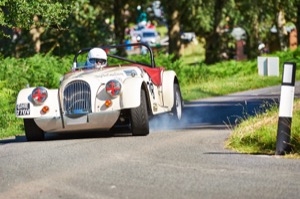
pixel 227 85
pixel 193 53
pixel 257 135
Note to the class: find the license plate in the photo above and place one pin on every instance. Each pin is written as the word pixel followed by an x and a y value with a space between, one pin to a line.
pixel 23 109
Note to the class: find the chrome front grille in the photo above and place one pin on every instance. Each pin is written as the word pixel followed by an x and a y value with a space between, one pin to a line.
pixel 77 98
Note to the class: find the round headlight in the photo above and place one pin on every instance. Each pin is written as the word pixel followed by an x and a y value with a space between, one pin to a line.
pixel 39 95
pixel 113 88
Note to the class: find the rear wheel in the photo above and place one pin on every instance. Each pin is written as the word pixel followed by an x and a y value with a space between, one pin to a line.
pixel 177 107
pixel 139 118
pixel 32 131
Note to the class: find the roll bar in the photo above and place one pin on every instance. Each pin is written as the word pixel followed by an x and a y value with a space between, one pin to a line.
pixel 152 63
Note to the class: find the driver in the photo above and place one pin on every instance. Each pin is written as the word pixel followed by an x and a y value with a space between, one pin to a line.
pixel 97 58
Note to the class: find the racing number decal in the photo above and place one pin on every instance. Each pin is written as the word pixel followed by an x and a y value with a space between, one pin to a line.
pixel 23 109
pixel 151 89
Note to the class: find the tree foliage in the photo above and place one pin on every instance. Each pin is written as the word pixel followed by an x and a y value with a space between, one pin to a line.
pixel 17 17
pixel 20 13
pixel 61 27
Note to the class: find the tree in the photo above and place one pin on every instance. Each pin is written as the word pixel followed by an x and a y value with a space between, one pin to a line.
pixel 251 15
pixel 123 13
pixel 88 24
pixel 173 15
pixel 260 17
pixel 64 26
pixel 205 18
pixel 213 38
pixel 18 15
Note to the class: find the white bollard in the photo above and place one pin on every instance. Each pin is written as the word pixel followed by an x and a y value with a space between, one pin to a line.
pixel 283 145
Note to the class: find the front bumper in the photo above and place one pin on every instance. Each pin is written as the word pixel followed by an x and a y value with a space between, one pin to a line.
pixel 91 121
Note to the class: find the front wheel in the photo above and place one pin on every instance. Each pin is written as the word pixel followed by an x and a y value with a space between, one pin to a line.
pixel 32 131
pixel 139 118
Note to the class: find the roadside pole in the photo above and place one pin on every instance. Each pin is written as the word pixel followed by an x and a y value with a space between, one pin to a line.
pixel 283 145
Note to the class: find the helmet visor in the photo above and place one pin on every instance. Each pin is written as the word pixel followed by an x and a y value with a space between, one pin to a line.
pixel 97 61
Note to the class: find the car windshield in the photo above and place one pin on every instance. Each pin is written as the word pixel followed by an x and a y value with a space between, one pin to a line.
pixel 82 62
pixel 84 65
pixel 148 34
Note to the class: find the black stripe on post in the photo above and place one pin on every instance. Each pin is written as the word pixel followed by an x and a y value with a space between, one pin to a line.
pixel 283 145
pixel 283 139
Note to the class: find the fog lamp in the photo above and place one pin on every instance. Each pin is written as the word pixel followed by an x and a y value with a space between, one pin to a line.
pixel 45 109
pixel 108 103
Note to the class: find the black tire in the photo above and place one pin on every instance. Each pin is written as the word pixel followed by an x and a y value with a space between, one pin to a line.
pixel 176 113
pixel 139 118
pixel 32 131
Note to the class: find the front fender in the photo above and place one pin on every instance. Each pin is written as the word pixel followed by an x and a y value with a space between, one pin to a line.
pixel 25 108
pixel 131 96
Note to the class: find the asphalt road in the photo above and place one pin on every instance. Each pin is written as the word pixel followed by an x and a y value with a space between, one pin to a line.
pixel 188 161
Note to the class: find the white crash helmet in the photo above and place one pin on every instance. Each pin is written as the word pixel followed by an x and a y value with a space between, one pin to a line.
pixel 261 46
pixel 97 57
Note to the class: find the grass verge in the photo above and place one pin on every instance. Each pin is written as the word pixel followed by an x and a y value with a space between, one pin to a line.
pixel 257 134
pixel 227 85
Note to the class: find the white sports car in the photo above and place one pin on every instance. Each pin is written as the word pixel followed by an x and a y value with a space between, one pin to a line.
pixel 125 94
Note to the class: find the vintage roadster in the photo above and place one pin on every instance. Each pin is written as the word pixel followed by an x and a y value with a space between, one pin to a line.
pixel 126 94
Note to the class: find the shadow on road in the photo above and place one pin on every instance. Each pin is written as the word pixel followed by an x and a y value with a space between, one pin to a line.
pixel 71 136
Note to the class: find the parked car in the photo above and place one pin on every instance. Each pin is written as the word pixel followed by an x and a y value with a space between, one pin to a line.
pixel 125 94
pixel 149 36
pixel 145 35
pixel 188 36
